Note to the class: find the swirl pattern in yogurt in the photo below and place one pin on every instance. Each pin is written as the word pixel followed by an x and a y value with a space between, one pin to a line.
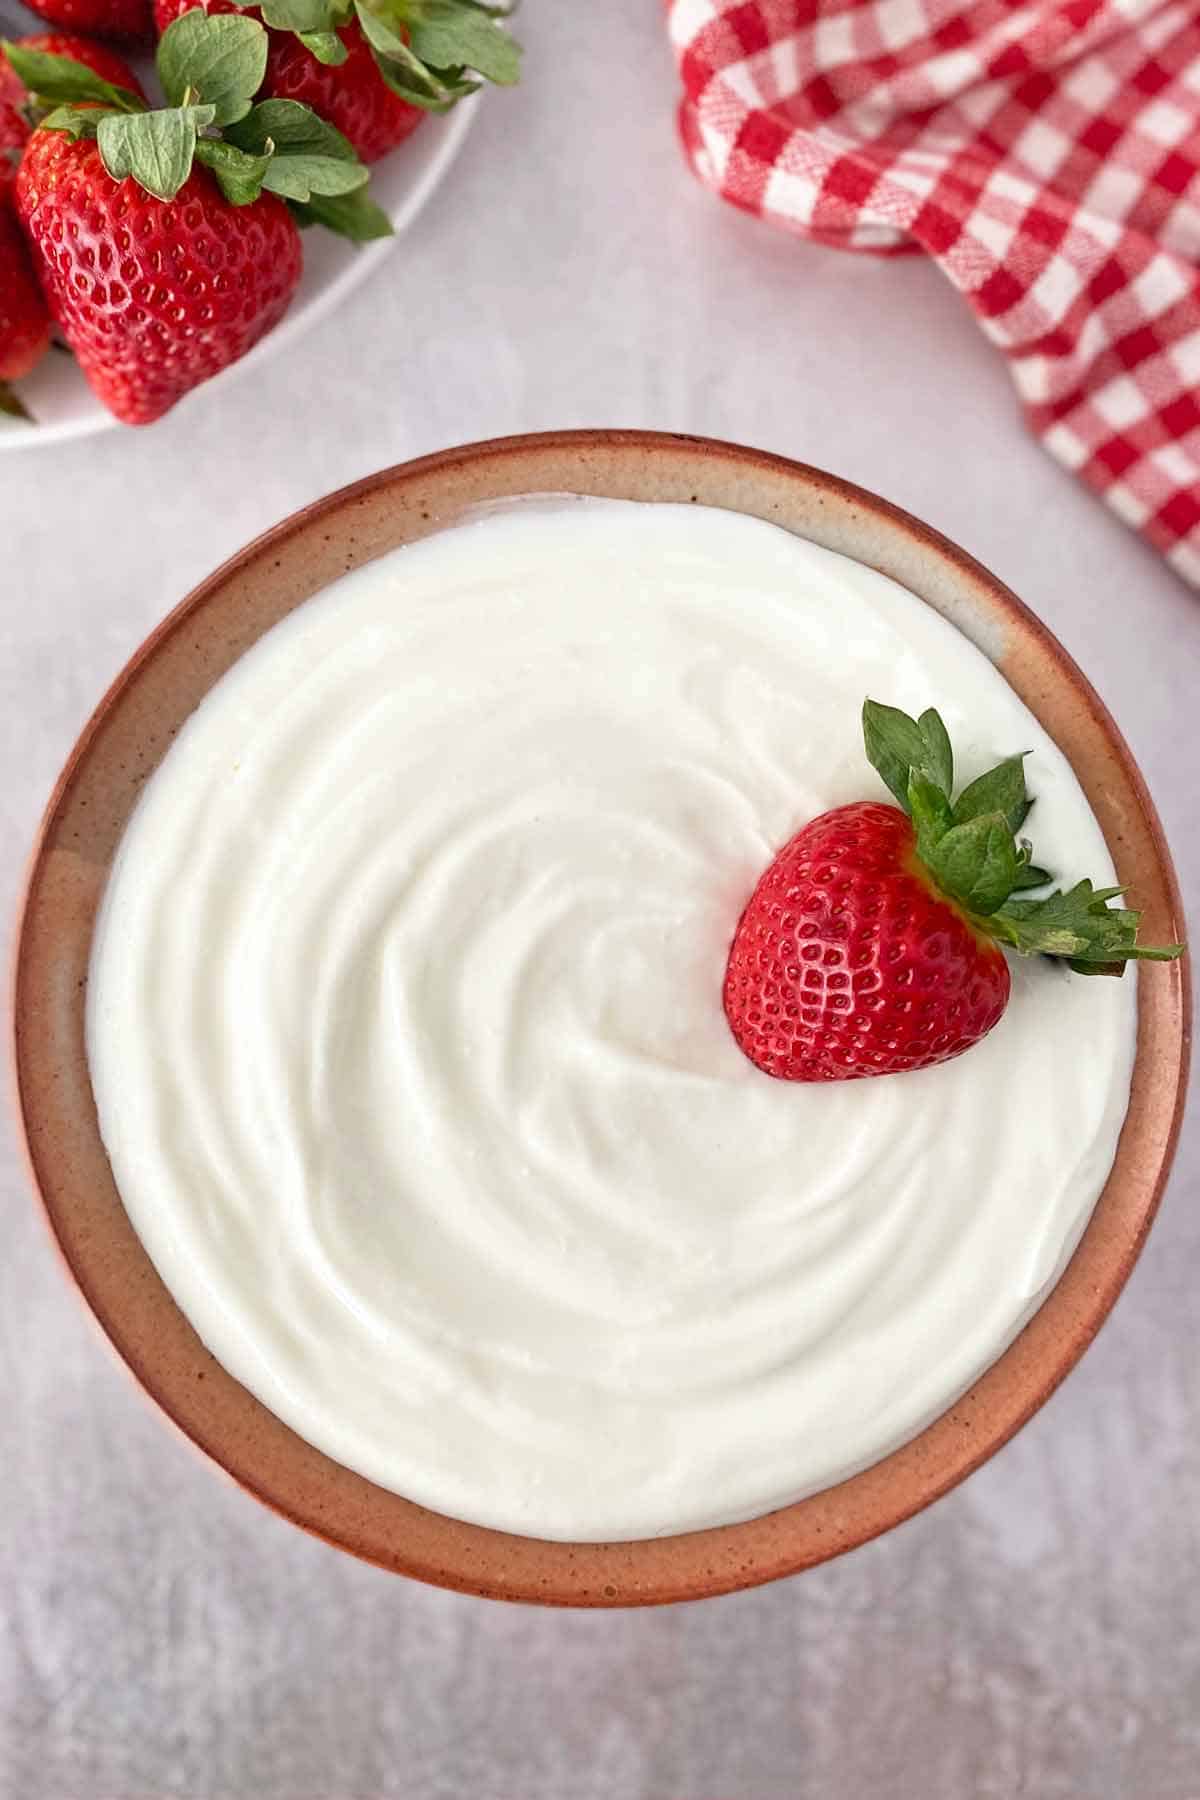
pixel 406 1035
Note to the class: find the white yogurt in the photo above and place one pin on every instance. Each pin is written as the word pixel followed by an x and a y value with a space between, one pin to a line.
pixel 406 1035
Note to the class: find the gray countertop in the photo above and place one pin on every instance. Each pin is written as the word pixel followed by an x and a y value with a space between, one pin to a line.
pixel 1038 1632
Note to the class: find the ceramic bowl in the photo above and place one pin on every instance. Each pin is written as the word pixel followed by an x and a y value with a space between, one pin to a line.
pixel 128 735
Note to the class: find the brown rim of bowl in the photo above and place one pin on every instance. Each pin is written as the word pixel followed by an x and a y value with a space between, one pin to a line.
pixel 128 734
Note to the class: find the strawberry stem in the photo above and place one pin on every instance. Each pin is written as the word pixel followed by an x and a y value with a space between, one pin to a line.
pixel 211 67
pixel 970 850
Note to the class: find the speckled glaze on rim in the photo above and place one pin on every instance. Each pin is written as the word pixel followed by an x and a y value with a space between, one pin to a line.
pixel 128 735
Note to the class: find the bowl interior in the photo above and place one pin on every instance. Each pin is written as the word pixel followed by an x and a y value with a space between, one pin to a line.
pixel 122 745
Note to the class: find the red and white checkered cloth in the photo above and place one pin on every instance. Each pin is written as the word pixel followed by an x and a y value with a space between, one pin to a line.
pixel 1047 156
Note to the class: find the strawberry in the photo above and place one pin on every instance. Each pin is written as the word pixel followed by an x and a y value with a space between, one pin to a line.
pixel 18 110
pixel 153 298
pixel 166 250
pixel 167 11
pixel 13 131
pixel 353 95
pixel 129 21
pixel 373 68
pixel 872 944
pixel 24 321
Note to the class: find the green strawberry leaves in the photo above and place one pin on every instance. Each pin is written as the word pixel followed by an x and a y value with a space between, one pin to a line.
pixel 52 79
pixel 156 148
pixel 939 756
pixel 238 174
pixel 300 16
pixel 460 34
pixel 433 90
pixel 1028 873
pixel 210 69
pixel 426 50
pixel 1080 925
pixel 221 58
pixel 77 121
pixel 326 46
pixel 897 746
pixel 315 23
pixel 429 52
pixel 970 849
pixel 314 17
pixel 930 811
pixel 354 216
pixel 976 863
pixel 306 156
pixel 1001 790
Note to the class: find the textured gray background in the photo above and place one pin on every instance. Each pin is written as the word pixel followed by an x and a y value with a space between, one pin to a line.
pixel 1038 1632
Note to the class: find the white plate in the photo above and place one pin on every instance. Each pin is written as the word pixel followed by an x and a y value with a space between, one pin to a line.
pixel 63 404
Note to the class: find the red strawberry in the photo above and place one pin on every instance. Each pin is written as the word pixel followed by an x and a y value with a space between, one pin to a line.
pixel 871 945
pixel 15 100
pixel 376 92
pixel 352 95
pixel 24 321
pixel 13 132
pixel 14 127
pixel 167 11
pixel 847 961
pixel 152 297
pixel 165 241
pixel 130 21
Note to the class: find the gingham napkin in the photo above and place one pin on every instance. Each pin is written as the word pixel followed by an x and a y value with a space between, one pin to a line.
pixel 1046 156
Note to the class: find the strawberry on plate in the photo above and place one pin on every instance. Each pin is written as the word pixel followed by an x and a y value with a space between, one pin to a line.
pixel 374 68
pixel 873 944
pixel 18 110
pixel 167 242
pixel 24 320
pixel 153 298
pixel 14 126
pixel 129 21
pixel 352 94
